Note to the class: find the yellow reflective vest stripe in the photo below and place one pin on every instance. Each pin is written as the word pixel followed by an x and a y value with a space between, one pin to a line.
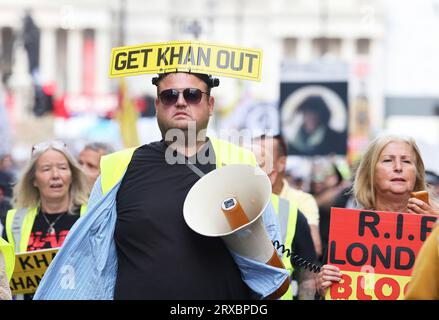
pixel 19 224
pixel 287 214
pixel 7 250
pixel 113 166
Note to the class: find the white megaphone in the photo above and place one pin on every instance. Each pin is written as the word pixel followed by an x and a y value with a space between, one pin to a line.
pixel 228 202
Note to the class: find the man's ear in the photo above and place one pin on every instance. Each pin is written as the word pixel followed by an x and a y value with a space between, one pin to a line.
pixel 211 105
pixel 282 164
pixel 273 176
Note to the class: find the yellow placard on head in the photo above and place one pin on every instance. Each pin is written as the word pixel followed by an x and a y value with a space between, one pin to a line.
pixel 186 56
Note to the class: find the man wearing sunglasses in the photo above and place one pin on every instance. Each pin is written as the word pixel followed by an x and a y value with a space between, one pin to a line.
pixel 184 100
pixel 134 243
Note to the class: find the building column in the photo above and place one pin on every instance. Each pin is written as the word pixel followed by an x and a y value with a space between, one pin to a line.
pixel 377 113
pixel 103 51
pixel 348 49
pixel 48 55
pixel 270 70
pixel 304 50
pixel 21 84
pixel 74 61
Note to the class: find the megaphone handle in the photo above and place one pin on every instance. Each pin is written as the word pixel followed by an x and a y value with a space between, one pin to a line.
pixel 275 261
pixel 235 215
pixel 236 218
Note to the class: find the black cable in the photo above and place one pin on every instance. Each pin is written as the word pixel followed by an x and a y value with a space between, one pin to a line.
pixel 296 259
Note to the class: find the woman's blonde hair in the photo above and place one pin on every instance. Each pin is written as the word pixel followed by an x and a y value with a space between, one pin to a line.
pixel 363 188
pixel 26 195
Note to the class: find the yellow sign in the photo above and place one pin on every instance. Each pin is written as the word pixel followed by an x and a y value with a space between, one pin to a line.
pixel 368 286
pixel 29 270
pixel 187 56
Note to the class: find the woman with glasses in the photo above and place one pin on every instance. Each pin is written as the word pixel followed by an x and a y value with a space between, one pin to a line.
pixel 48 199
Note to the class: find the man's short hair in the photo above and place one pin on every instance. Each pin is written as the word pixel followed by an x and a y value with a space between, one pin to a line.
pixel 99 147
pixel 432 178
pixel 282 150
pixel 210 81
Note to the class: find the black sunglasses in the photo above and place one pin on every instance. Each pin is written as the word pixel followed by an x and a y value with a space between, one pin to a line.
pixel 191 95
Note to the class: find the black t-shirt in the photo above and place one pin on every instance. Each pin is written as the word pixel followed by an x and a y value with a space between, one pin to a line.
pixel 41 238
pixel 159 256
pixel 302 243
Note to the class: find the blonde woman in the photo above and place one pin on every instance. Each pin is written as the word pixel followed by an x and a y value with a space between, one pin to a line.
pixel 48 198
pixel 390 170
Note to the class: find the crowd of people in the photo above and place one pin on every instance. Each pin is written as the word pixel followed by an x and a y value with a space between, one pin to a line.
pixel 122 211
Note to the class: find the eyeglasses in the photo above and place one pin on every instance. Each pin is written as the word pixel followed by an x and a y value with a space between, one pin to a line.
pixel 191 95
pixel 43 146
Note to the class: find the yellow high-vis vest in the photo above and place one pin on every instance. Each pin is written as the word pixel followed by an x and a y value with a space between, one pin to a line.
pixel 113 166
pixel 287 214
pixel 7 250
pixel 19 224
